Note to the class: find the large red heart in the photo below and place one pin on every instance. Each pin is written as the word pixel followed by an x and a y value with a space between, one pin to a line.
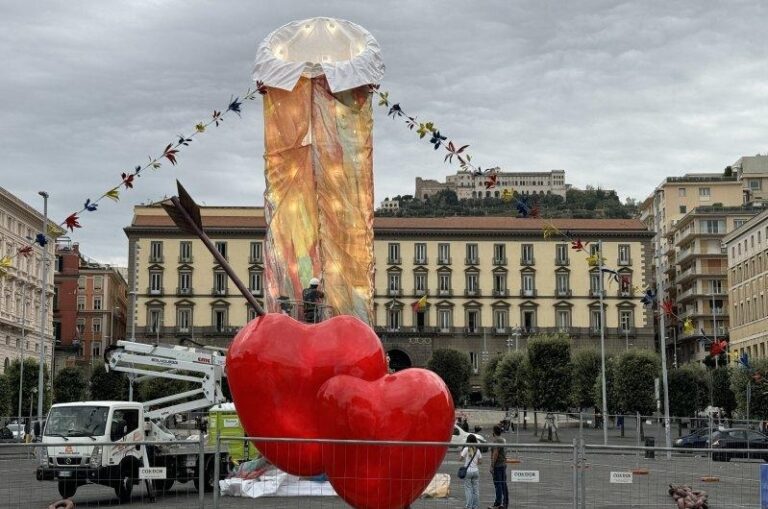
pixel 412 405
pixel 275 367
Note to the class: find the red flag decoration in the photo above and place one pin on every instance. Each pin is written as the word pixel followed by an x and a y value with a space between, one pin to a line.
pixel 718 347
pixel 668 307
pixel 72 222
pixel 578 245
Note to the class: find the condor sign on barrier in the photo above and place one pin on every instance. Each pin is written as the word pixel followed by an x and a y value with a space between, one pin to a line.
pixel 524 476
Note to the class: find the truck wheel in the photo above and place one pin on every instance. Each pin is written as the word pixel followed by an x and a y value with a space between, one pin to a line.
pixel 124 485
pixel 207 478
pixel 67 489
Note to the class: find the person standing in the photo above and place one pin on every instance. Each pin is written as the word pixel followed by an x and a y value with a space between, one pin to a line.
pixel 472 458
pixel 311 297
pixel 499 471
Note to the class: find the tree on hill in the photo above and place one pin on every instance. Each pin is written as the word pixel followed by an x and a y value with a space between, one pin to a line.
pixel 454 368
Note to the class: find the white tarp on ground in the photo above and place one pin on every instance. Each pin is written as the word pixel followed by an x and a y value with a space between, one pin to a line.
pixel 275 483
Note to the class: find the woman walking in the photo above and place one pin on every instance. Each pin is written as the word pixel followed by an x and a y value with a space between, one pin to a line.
pixel 472 458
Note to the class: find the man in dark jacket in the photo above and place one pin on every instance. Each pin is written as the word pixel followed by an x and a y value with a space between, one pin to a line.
pixel 311 297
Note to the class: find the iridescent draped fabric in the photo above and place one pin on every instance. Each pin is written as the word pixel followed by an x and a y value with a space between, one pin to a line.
pixel 319 195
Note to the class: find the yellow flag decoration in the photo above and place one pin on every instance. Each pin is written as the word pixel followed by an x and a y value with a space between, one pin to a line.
pixel 550 231
pixel 421 304
pixel 55 230
pixel 733 356
pixel 688 327
pixel 113 194
pixel 506 195
pixel 5 264
pixel 594 260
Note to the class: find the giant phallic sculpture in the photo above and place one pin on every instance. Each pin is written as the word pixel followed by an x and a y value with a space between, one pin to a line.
pixel 329 380
pixel 319 161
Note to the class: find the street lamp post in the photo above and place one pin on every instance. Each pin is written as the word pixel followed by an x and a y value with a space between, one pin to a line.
pixel 21 348
pixel 714 328
pixel 662 331
pixel 602 339
pixel 43 310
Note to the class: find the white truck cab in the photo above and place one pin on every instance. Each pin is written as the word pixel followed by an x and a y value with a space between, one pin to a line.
pixel 128 435
pixel 98 421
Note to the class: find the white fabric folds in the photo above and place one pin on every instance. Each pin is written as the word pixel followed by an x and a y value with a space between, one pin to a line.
pixel 345 52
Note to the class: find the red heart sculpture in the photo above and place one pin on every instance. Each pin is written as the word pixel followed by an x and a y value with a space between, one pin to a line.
pixel 412 405
pixel 275 367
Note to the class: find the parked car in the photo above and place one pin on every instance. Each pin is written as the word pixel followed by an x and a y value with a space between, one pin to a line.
pixel 17 429
pixel 6 435
pixel 699 439
pixel 460 438
pixel 751 444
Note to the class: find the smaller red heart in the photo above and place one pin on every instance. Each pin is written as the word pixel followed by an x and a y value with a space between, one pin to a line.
pixel 413 405
pixel 275 367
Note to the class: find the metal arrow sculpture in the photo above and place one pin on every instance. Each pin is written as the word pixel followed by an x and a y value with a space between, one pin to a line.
pixel 185 213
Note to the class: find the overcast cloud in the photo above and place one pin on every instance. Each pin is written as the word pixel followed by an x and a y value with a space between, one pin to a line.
pixel 619 95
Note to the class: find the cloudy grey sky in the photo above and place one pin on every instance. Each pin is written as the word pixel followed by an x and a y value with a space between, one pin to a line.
pixel 619 94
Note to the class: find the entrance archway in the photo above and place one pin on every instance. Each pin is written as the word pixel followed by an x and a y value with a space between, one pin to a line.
pixel 398 360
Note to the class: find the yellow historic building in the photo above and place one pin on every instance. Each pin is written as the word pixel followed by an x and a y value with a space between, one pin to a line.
pixel 488 283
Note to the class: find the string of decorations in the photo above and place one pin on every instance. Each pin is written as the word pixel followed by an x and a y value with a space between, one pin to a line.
pixel 127 179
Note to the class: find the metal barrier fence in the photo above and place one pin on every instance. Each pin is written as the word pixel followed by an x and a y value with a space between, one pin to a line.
pixel 566 475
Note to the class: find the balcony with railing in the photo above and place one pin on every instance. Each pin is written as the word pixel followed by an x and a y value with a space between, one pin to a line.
pixel 184 291
pixel 476 292
pixel 500 260
pixel 158 290
pixel 527 261
pixel 473 260
pixel 563 292
pixel 528 293
pixel 500 292
pixel 219 291
pixel 444 260
pixel 420 260
pixel 561 262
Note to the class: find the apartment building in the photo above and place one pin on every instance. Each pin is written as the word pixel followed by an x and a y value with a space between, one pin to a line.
pixel 468 185
pixel 700 275
pixel 752 171
pixel 89 308
pixel 747 249
pixel 21 286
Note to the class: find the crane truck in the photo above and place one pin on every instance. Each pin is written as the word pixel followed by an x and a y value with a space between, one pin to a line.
pixel 126 425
